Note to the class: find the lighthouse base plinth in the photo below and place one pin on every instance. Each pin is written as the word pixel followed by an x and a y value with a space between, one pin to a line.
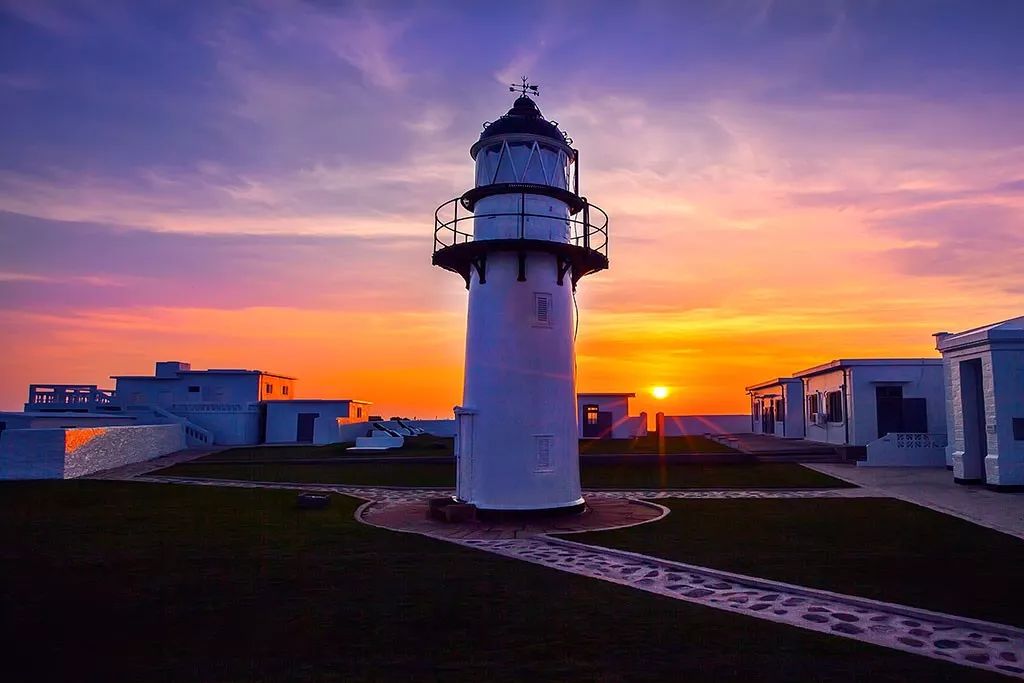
pixel 495 515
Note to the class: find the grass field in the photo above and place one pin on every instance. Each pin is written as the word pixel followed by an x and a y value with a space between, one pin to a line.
pixel 877 548
pixel 122 581
pixel 649 445
pixel 434 445
pixel 594 475
pixel 414 445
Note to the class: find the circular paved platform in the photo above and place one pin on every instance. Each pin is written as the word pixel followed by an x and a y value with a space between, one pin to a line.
pixel 601 513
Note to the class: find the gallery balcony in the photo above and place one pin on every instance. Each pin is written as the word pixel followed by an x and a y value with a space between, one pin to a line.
pixel 579 240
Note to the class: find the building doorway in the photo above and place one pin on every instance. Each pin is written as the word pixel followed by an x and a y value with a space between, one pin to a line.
pixel 768 418
pixel 305 425
pixel 889 409
pixel 972 407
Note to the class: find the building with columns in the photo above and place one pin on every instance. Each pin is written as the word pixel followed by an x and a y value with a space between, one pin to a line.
pixel 984 378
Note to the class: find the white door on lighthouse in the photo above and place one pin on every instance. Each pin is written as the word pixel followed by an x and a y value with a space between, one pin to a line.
pixel 464 453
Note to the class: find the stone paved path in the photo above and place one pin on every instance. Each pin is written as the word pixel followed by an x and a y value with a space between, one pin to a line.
pixel 984 645
pixel 602 513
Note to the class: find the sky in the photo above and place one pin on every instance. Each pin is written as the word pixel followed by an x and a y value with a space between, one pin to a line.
pixel 252 184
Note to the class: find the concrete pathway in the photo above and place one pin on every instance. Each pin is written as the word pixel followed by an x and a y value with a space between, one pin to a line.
pixel 933 487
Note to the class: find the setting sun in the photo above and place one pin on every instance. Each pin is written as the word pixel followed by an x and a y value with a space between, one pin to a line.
pixel 659 392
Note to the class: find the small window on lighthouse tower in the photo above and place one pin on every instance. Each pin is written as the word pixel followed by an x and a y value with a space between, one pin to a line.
pixel 542 309
pixel 544 444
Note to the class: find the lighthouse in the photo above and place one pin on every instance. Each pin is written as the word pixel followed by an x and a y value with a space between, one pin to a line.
pixel 521 238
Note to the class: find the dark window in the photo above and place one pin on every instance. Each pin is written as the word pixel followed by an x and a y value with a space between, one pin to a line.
pixel 359 411
pixel 812 405
pixel 284 391
pixel 269 388
pixel 780 410
pixel 1018 429
pixel 834 406
pixel 193 389
pixel 590 414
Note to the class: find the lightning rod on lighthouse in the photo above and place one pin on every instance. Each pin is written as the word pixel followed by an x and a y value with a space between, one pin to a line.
pixel 521 239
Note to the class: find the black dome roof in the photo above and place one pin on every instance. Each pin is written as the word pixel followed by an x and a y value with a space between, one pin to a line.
pixel 523 117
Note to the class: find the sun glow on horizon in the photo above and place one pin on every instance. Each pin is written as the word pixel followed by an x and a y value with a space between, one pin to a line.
pixel 659 392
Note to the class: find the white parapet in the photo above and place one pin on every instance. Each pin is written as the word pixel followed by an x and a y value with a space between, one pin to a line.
pixel 903 449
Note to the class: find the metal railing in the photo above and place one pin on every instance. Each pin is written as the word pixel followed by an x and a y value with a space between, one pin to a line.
pixel 583 231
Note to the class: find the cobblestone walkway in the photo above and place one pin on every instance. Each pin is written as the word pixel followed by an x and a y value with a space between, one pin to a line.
pixel 984 645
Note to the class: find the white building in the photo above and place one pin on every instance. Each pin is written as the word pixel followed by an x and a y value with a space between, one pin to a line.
pixel 227 407
pixel 606 416
pixel 227 402
pixel 311 420
pixel 984 373
pixel 776 407
pixel 854 402
pixel 521 239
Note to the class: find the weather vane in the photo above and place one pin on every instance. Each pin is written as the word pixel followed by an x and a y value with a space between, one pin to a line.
pixel 525 88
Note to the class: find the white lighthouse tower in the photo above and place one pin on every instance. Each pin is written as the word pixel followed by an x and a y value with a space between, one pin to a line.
pixel 521 238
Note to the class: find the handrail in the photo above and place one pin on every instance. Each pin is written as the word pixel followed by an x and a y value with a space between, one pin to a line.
pixel 583 232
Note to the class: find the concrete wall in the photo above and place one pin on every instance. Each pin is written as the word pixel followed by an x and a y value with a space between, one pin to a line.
pixel 696 425
pixel 59 420
pixel 229 427
pixel 435 427
pixel 76 452
pixel 906 450
pixel 348 432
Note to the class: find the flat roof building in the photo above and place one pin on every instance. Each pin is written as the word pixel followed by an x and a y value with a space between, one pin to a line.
pixel 853 401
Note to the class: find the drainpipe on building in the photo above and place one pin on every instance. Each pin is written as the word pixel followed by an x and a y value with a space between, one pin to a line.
pixel 803 401
pixel 846 405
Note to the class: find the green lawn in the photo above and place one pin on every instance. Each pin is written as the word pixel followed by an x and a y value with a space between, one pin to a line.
pixel 594 475
pixel 434 445
pixel 649 445
pixel 414 445
pixel 877 548
pixel 122 581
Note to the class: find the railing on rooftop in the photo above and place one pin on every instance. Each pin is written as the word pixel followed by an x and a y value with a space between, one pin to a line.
pixel 72 395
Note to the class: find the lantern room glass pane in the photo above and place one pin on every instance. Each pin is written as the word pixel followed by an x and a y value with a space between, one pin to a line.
pixel 520 152
pixel 506 170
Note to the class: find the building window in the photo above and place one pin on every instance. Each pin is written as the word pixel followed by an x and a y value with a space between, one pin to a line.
pixel 590 414
pixel 1018 429
pixel 780 410
pixel 269 388
pixel 284 390
pixel 812 405
pixel 194 389
pixel 541 308
pixel 359 411
pixel 834 406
